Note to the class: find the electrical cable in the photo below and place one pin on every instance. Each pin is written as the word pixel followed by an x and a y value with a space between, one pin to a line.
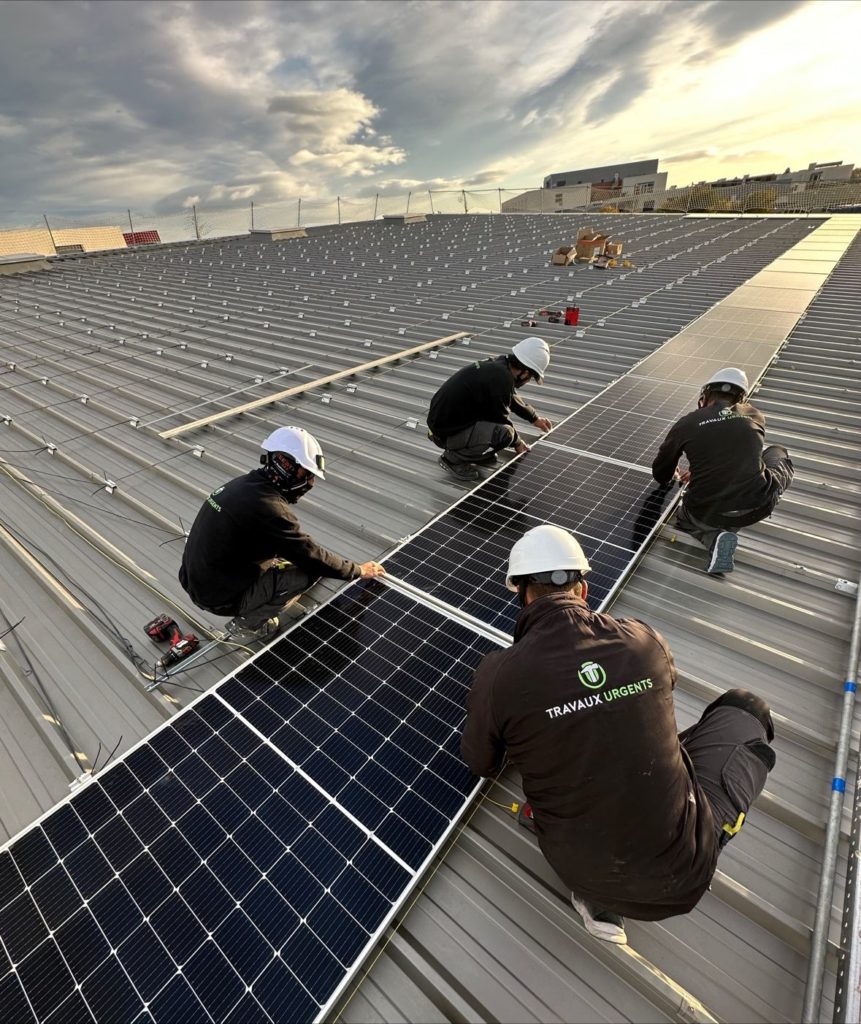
pixel 33 674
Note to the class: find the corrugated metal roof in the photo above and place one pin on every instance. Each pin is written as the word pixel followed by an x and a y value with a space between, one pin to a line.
pixel 492 936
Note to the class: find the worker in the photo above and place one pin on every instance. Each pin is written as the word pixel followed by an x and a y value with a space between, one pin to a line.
pixel 731 481
pixel 246 555
pixel 470 415
pixel 630 815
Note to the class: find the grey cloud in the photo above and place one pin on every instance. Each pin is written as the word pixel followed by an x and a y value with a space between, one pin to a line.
pixel 683 158
pixel 727 21
pixel 620 93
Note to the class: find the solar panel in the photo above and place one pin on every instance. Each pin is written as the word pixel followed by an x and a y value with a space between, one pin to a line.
pixel 628 420
pixel 240 863
pixel 461 557
pixel 692 368
pixel 631 438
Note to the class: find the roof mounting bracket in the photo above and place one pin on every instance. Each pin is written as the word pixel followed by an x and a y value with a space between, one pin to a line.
pixel 50 448
pixel 846 587
pixel 134 422
pixel 197 451
pixel 110 486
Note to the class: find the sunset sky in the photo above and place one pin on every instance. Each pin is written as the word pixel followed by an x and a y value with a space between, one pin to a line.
pixel 155 105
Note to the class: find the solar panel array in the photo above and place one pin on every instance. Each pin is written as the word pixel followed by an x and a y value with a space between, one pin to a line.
pixel 239 863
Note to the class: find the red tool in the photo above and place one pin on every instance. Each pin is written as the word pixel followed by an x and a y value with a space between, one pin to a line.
pixel 163 628
pixel 572 315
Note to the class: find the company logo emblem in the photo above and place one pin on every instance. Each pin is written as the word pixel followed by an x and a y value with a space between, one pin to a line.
pixel 591 674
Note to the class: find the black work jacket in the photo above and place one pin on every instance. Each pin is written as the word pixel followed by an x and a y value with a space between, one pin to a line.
pixel 482 391
pixel 239 527
pixel 582 704
pixel 723 445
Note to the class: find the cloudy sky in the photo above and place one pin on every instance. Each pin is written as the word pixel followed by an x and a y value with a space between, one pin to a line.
pixel 155 105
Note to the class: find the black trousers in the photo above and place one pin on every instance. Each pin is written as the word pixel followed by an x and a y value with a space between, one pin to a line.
pixel 472 444
pixel 705 529
pixel 730 751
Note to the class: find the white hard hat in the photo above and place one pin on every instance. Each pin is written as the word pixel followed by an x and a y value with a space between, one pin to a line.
pixel 546 549
pixel 534 354
pixel 730 377
pixel 298 443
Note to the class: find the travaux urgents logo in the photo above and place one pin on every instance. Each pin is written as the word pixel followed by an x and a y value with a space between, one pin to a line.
pixel 592 675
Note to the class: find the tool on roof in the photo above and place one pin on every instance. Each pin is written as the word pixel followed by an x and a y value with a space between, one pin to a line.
pixel 163 629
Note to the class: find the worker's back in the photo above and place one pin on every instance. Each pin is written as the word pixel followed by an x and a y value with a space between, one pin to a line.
pixel 482 390
pixel 229 539
pixel 584 705
pixel 723 444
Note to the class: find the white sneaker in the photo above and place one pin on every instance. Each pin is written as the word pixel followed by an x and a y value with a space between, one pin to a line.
pixel 722 552
pixel 243 635
pixel 601 923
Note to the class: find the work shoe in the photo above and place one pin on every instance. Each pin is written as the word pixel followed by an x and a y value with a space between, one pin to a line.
pixel 721 554
pixel 459 470
pixel 488 460
pixel 600 923
pixel 245 635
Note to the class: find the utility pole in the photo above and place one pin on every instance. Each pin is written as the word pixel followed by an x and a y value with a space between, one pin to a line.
pixel 463 195
pixel 376 203
pixel 252 214
pixel 196 227
pixel 409 196
pixel 131 226
pixel 299 213
pixel 500 199
pixel 339 209
pixel 430 196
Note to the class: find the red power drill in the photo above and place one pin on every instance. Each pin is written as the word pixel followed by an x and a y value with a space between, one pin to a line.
pixel 163 628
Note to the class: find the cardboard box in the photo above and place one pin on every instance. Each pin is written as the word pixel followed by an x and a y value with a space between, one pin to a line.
pixel 587 248
pixel 585 233
pixel 564 255
pixel 613 248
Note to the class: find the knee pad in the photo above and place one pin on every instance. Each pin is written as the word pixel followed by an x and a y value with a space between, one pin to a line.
pixel 749 702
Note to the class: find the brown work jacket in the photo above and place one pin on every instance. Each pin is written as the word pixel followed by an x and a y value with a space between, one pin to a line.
pixel 582 704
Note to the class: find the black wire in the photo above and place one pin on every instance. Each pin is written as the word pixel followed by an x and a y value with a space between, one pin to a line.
pixel 14 625
pixel 34 675
pixel 107 759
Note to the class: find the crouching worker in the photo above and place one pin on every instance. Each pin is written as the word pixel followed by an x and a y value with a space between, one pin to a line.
pixel 246 554
pixel 470 415
pixel 630 814
pixel 732 482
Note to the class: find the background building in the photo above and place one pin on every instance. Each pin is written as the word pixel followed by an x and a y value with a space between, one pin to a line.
pixel 640 178
pixel 58 241
pixel 562 199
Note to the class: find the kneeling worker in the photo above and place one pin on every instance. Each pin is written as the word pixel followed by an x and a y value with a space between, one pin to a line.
pixel 470 415
pixel 630 815
pixel 246 554
pixel 732 482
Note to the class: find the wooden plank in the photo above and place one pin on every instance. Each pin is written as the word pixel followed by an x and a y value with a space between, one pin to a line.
pixel 319 382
